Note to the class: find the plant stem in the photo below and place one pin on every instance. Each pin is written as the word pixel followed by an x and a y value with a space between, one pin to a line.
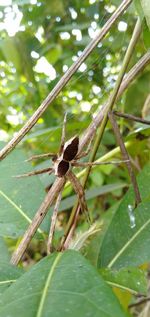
pixel 131 117
pixel 126 157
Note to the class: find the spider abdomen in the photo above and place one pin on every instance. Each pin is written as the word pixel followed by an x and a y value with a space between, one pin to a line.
pixel 62 168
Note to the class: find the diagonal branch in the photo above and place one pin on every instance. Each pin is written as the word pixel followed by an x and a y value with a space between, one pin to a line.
pixel 131 117
pixel 64 80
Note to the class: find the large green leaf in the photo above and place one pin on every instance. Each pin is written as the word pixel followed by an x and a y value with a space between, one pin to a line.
pixel 19 198
pixel 63 284
pixel 126 245
pixel 8 275
pixel 4 254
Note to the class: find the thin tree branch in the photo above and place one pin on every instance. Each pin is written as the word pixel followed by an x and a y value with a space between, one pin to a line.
pixel 53 223
pixel 131 117
pixel 109 105
pixel 64 80
pixel 125 157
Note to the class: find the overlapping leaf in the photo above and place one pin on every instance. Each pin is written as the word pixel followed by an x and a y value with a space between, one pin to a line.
pixel 126 245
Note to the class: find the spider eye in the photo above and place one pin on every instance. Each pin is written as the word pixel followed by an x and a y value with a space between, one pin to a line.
pixel 71 150
pixel 63 168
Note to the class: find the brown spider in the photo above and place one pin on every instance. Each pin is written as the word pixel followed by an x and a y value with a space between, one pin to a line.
pixel 63 162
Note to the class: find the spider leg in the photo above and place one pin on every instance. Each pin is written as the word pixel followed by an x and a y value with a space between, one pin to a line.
pixel 45 170
pixel 34 157
pixel 84 153
pixel 85 164
pixel 78 188
pixel 53 224
pixel 63 134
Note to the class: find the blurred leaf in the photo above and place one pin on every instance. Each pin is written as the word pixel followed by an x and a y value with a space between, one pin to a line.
pixel 11 53
pixel 138 92
pixel 97 177
pixel 66 281
pixel 146 10
pixel 70 27
pixel 146 36
pixel 55 8
pixel 131 279
pixel 139 9
pixel 53 54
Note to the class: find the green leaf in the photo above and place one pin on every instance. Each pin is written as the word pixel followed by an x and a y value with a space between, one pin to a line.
pixel 4 254
pixel 8 275
pixel 139 9
pixel 130 279
pixel 63 284
pixel 124 245
pixel 19 198
pixel 146 36
pixel 53 54
pixel 146 9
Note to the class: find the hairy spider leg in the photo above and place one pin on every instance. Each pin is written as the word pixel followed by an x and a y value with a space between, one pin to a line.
pixel 84 164
pixel 84 153
pixel 79 190
pixel 53 223
pixel 63 135
pixel 35 157
pixel 42 171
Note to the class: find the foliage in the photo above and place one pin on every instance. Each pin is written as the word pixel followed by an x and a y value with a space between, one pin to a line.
pixel 110 267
